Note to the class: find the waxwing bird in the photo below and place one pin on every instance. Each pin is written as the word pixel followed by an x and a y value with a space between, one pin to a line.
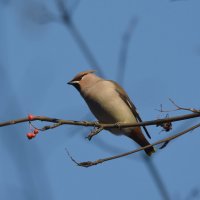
pixel 110 104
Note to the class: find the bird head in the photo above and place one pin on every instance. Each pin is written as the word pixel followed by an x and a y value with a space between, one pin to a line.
pixel 82 79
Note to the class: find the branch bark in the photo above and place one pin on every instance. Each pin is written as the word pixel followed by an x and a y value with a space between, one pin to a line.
pixel 99 161
pixel 59 122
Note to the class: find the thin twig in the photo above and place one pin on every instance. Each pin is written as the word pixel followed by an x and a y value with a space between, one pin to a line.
pixel 177 108
pixel 71 156
pixel 94 132
pixel 124 48
pixel 165 111
pixel 182 108
pixel 96 162
pixel 67 20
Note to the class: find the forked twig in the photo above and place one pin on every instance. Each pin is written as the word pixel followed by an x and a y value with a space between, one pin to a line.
pixel 177 108
pixel 94 132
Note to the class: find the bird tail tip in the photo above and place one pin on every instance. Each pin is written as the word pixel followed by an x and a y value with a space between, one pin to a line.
pixel 149 151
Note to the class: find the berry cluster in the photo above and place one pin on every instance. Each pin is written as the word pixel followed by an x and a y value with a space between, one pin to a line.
pixel 34 132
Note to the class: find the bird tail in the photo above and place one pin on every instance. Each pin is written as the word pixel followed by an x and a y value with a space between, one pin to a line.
pixel 149 151
pixel 140 139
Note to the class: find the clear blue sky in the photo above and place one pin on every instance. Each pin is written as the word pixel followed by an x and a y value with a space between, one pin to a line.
pixel 37 59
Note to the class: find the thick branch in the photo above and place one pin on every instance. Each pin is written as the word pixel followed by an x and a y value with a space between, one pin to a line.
pixel 59 122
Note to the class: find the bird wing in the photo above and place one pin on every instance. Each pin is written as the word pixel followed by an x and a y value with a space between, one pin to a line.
pixel 129 103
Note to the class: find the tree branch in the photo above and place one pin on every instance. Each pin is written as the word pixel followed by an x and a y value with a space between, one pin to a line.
pixel 67 20
pixel 124 48
pixel 177 107
pixel 96 162
pixel 99 127
pixel 59 122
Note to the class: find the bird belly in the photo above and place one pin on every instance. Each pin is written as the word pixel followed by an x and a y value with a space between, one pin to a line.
pixel 109 108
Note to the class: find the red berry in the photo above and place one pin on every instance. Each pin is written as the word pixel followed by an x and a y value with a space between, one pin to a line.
pixel 30 135
pixel 36 131
pixel 30 117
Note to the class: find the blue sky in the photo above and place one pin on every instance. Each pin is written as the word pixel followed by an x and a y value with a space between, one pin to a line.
pixel 37 59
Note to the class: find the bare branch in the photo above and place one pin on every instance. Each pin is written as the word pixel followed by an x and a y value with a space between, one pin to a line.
pixel 177 108
pixel 124 48
pixel 67 21
pixel 94 132
pixel 59 122
pixel 96 162
pixel 182 108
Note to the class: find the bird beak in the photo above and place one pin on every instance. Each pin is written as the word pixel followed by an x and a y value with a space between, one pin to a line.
pixel 72 82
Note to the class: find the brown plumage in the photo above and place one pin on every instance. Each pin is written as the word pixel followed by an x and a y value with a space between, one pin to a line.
pixel 109 103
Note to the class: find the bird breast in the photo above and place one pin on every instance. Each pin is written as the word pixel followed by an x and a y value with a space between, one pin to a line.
pixel 107 106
